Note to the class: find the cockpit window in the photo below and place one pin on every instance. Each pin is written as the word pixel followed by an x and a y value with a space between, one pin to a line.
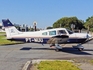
pixel 45 33
pixel 52 32
pixel 70 32
pixel 62 32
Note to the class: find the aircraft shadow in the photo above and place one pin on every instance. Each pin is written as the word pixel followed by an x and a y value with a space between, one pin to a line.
pixel 42 49
pixel 26 48
pixel 75 51
pixel 68 50
pixel 88 49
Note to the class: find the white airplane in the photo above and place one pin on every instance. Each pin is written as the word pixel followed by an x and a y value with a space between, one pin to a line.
pixel 51 36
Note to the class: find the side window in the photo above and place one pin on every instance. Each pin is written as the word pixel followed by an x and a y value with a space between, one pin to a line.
pixel 62 32
pixel 52 32
pixel 45 33
pixel 70 32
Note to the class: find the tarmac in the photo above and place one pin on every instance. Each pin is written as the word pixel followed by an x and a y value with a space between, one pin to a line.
pixel 20 56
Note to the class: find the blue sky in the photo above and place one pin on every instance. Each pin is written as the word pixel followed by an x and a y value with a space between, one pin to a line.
pixel 44 12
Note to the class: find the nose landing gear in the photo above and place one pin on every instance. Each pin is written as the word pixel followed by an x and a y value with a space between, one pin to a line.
pixel 79 47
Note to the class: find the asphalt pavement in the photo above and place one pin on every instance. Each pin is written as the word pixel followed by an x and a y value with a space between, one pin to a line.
pixel 14 57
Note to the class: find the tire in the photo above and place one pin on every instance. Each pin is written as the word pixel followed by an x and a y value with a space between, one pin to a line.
pixel 80 49
pixel 57 50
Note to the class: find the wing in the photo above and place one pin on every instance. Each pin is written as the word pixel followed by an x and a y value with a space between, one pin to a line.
pixel 88 40
pixel 59 39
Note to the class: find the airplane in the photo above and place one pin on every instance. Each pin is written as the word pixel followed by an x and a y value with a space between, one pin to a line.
pixel 50 36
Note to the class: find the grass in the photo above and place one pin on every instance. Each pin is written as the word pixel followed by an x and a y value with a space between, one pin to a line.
pixel 4 41
pixel 57 65
pixel 2 33
pixel 91 61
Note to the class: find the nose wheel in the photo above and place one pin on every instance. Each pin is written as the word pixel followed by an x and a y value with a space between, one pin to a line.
pixel 79 47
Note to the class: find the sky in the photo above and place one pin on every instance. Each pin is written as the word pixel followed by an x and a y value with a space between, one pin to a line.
pixel 44 12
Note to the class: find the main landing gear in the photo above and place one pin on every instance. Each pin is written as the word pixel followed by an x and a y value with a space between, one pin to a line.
pixel 57 47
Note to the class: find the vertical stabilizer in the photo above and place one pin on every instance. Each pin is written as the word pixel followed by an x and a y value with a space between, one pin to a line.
pixel 10 29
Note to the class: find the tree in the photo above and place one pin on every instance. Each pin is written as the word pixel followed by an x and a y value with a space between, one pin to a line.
pixel 89 18
pixel 89 23
pixel 67 21
pixel 17 26
pixel 49 27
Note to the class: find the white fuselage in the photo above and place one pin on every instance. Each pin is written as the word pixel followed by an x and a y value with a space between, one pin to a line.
pixel 44 35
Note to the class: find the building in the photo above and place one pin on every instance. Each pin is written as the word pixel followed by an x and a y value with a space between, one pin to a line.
pixel 0 25
pixel 1 28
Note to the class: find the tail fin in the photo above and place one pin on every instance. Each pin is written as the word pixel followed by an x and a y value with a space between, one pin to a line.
pixel 9 28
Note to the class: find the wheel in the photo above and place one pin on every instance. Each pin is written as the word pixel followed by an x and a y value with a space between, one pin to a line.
pixel 60 49
pixel 52 45
pixel 57 50
pixel 80 49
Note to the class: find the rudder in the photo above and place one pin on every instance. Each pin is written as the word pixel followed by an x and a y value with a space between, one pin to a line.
pixel 9 28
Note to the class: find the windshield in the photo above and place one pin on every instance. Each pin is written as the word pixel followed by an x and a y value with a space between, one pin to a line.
pixel 69 31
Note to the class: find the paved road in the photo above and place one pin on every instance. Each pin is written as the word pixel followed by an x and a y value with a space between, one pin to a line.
pixel 13 57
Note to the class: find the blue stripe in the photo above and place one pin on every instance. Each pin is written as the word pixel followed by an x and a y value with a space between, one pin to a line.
pixel 44 40
pixel 77 40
